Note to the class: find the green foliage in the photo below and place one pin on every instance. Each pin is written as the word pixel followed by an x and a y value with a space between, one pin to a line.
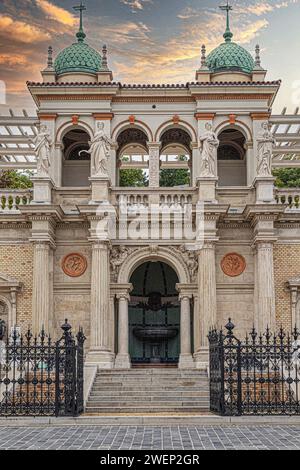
pixel 12 179
pixel 174 177
pixel 287 177
pixel 135 178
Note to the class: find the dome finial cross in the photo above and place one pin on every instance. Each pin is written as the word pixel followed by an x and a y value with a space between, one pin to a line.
pixel 228 34
pixel 81 8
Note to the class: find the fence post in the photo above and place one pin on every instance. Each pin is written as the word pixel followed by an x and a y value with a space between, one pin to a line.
pixel 80 371
pixel 239 380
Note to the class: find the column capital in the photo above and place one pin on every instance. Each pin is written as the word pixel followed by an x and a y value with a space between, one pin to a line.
pixel 154 145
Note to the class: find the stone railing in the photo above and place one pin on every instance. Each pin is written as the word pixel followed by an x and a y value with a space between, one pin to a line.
pixel 137 198
pixel 289 196
pixel 12 199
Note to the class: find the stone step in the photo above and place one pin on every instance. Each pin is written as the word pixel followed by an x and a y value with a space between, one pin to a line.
pixel 149 380
pixel 150 398
pixel 145 394
pixel 152 409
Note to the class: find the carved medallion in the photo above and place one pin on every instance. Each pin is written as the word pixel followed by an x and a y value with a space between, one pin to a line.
pixel 74 265
pixel 233 264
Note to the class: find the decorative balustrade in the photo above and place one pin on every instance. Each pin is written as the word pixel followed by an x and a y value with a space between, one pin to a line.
pixel 12 200
pixel 289 196
pixel 137 198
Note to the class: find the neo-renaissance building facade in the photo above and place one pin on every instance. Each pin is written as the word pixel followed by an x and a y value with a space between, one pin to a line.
pixel 150 298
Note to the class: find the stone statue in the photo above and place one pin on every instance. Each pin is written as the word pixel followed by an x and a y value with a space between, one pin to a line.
pixel 190 258
pixel 209 144
pixel 100 146
pixel 42 144
pixel 117 257
pixel 265 144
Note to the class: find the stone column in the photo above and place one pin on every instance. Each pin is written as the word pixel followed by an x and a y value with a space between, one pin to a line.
pixel 264 287
pixel 123 358
pixel 207 303
pixel 185 359
pixel 100 352
pixel 154 164
pixel 41 287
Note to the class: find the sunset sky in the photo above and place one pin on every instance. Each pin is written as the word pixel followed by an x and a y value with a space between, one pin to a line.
pixel 155 41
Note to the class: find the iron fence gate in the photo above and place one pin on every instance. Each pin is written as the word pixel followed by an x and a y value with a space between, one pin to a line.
pixel 257 376
pixel 41 377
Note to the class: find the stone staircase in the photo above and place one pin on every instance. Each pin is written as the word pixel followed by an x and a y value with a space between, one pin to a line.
pixel 149 391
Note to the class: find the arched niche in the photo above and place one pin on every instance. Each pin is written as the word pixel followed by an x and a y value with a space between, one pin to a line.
pixel 76 161
pixel 232 158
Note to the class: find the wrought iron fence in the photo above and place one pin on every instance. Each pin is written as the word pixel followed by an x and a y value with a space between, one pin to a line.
pixel 42 377
pixel 257 376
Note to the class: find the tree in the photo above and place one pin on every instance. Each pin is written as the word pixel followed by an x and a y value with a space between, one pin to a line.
pixel 170 177
pixel 131 177
pixel 287 177
pixel 13 179
pixel 174 177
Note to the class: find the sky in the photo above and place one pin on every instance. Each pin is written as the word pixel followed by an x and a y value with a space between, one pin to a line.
pixel 149 41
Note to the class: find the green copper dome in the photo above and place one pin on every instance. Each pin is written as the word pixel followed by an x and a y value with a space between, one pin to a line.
pixel 79 57
pixel 229 56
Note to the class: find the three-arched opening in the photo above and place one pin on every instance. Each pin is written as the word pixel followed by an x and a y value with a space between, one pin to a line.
pixel 154 315
pixel 76 160
pixel 232 164
pixel 175 158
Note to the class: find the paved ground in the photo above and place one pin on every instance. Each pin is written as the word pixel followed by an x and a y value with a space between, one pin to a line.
pixel 150 438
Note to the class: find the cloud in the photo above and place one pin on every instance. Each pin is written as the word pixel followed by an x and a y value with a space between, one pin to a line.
pixel 21 31
pixel 13 60
pixel 56 13
pixel 135 5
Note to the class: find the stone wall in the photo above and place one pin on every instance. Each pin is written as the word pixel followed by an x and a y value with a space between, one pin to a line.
pixel 17 261
pixel 235 295
pixel 286 266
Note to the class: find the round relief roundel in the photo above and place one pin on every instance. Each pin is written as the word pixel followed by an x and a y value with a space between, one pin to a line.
pixel 233 264
pixel 74 265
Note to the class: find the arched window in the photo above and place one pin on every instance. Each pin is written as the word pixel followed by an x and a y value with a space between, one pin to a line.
pixel 133 158
pixel 232 170
pixel 175 158
pixel 76 162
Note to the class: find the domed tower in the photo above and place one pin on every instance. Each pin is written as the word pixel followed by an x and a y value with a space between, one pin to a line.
pixel 78 62
pixel 230 62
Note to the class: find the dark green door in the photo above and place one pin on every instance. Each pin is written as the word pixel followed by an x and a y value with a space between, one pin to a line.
pixel 154 315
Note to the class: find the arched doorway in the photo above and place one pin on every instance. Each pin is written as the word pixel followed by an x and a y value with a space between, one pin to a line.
pixel 175 158
pixel 154 315
pixel 232 164
pixel 76 163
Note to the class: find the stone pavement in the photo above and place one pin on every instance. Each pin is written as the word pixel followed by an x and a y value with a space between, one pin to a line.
pixel 151 437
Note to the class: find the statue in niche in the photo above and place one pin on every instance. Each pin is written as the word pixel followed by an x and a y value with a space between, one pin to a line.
pixel 42 144
pixel 100 146
pixel 209 144
pixel 265 144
